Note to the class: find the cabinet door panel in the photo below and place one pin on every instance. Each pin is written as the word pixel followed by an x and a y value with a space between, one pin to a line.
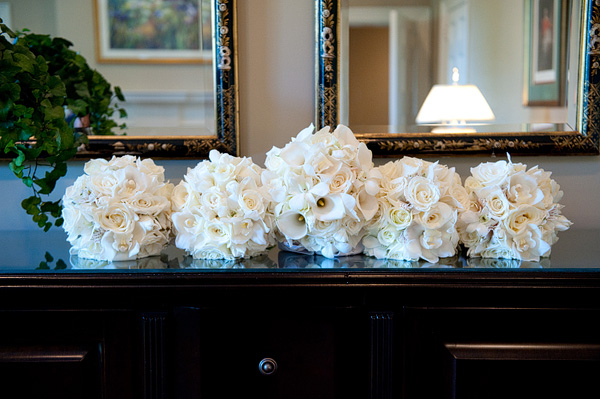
pixel 68 354
pixel 321 354
pixel 64 371
pixel 493 353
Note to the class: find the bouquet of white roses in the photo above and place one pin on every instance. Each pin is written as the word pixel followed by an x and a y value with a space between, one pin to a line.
pixel 514 212
pixel 222 210
pixel 118 210
pixel 418 207
pixel 324 185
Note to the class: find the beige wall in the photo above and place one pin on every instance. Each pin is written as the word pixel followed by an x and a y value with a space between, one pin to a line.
pixel 276 62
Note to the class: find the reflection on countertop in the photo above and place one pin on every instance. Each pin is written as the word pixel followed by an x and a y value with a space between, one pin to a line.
pixel 39 252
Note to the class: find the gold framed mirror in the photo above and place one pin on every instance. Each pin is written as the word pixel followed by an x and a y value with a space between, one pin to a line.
pixel 180 105
pixel 577 134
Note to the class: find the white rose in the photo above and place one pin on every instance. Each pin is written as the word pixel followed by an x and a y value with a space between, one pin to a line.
pixel 104 184
pixel 388 235
pixel 447 240
pixel 180 196
pixel 80 192
pixel 211 252
pixel 75 222
pixel 126 246
pixel 458 197
pixel 519 220
pixel 471 239
pixel 437 216
pixel 421 193
pixel 394 189
pixel 116 163
pixel 529 244
pixel 95 166
pixel 148 167
pixel 275 164
pixel 444 176
pixel 400 218
pixel 411 166
pixel 117 217
pixel 491 173
pixel 472 184
pixel 148 204
pixel 320 165
pixel 325 228
pixel 218 232
pixel 243 230
pixel 405 249
pixel 252 204
pixel 200 178
pixel 215 201
pixel 431 239
pixel 352 226
pixel 224 173
pixel 496 202
pixel 342 181
pixel 132 181
pixel 524 189
pixel 499 252
pixel 390 171
pixel 345 136
pixel 249 172
pixel 517 167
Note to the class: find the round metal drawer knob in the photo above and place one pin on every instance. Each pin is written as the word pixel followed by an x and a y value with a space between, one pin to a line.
pixel 267 366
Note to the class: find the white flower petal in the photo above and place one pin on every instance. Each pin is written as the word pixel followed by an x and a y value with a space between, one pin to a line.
pixel 368 205
pixel 292 225
pixel 329 208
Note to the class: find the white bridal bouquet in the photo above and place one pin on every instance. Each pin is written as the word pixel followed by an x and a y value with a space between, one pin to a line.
pixel 118 210
pixel 418 204
pixel 222 210
pixel 324 186
pixel 514 212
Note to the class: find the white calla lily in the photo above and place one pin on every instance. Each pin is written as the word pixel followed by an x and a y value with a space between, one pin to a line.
pixel 292 225
pixel 329 208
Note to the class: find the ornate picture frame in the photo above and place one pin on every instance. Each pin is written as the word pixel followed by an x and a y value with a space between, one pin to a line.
pixel 584 140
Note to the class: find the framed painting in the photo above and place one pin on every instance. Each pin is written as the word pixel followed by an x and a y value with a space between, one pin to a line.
pixel 545 44
pixel 153 31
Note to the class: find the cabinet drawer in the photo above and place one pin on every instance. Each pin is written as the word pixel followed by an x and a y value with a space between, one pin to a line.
pixel 270 354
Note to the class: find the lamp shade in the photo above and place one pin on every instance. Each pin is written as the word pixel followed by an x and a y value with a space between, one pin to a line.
pixel 454 105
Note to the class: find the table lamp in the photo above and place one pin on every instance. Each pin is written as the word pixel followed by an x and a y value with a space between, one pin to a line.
pixel 453 107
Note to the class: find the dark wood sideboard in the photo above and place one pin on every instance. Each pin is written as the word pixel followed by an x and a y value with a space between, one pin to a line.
pixel 292 326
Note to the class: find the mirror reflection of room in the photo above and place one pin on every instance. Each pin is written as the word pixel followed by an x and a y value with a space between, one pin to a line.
pixel 170 97
pixel 395 51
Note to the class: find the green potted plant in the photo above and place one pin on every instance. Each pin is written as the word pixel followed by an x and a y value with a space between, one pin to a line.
pixel 34 133
pixel 89 96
